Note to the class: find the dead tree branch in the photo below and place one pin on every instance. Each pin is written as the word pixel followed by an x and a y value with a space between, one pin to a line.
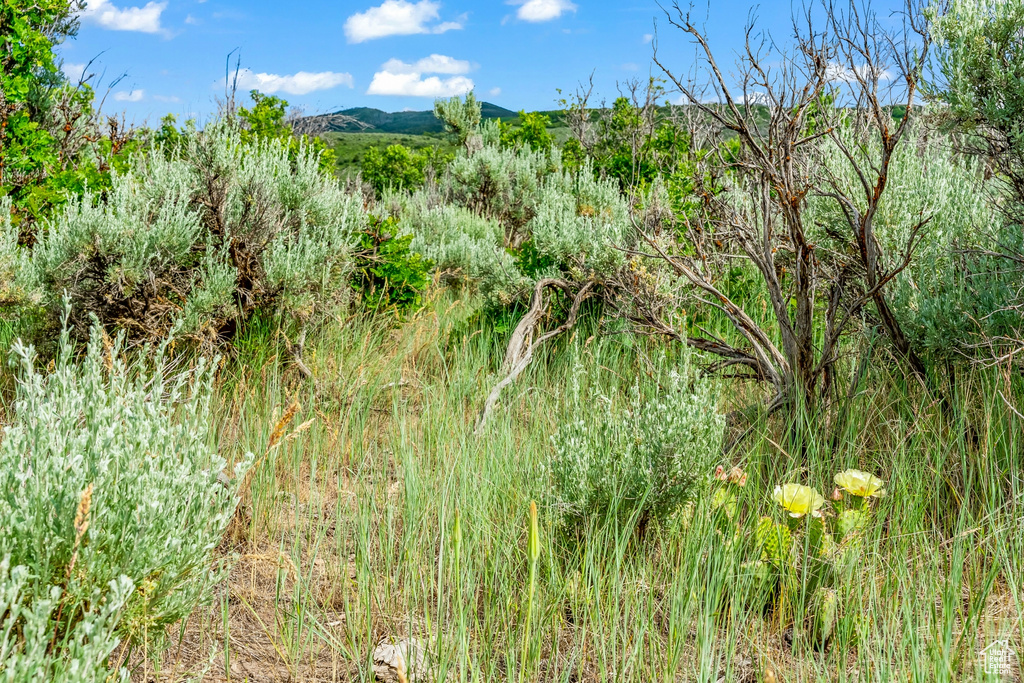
pixel 522 345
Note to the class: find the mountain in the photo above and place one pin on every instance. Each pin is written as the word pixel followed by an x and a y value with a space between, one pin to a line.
pixel 365 119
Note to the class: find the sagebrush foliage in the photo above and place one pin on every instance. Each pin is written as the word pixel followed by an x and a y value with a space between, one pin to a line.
pixel 266 120
pixel 643 459
pixel 947 294
pixel 208 236
pixel 461 117
pixel 110 506
pixel 463 245
pixel 501 184
pixel 504 217
pixel 26 633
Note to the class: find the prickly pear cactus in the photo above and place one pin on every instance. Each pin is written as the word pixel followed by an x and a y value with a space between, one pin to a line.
pixel 775 540
pixel 801 559
pixel 849 522
pixel 757 582
pixel 824 611
pixel 819 539
pixel 723 503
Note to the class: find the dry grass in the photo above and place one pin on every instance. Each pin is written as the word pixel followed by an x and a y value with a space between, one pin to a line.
pixel 346 539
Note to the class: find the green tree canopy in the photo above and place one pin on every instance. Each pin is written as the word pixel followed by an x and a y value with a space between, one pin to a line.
pixel 531 132
pixel 29 30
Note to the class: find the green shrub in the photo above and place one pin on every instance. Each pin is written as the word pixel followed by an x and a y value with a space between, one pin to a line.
pixel 110 506
pixel 978 80
pixel 30 31
pixel 395 168
pixel 530 261
pixel 387 273
pixel 633 144
pixel 643 459
pixel 398 168
pixel 53 142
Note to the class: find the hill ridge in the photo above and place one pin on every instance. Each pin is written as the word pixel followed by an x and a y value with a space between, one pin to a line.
pixel 370 119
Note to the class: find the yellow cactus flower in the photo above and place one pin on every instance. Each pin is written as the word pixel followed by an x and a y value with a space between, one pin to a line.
pixel 798 500
pixel 860 484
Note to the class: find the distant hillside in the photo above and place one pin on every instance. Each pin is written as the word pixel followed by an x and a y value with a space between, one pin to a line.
pixel 365 119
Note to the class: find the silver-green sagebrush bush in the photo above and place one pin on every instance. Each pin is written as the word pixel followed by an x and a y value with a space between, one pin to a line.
pixel 946 293
pixel 205 236
pixel 27 636
pixel 498 183
pixel 579 222
pixel 642 458
pixel 504 218
pixel 110 507
pixel 978 82
pixel 16 286
pixel 465 246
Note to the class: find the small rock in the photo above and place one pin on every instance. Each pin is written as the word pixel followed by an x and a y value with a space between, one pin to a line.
pixel 405 661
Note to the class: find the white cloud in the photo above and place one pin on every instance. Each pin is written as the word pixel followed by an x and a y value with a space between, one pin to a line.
pixel 397 18
pixel 166 98
pixel 299 83
pixel 648 37
pixel 414 85
pixel 446 26
pixel 73 71
pixel 399 78
pixel 754 97
pixel 434 64
pixel 189 19
pixel 144 19
pixel 630 66
pixel 542 10
pixel 712 98
pixel 129 95
pixel 841 72
pixel 494 92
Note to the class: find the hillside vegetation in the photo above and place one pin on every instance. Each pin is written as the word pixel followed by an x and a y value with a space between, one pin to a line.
pixel 363 119
pixel 350 148
pixel 364 129
pixel 723 391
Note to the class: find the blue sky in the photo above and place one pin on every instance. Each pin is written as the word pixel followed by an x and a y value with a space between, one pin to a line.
pixel 388 54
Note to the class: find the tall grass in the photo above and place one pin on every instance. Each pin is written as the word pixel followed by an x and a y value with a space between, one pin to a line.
pixel 387 518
